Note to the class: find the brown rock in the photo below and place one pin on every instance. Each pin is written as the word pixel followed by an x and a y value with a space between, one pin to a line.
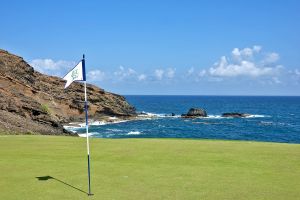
pixel 34 102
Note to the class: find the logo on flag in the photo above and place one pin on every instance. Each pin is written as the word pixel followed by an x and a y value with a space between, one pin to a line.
pixel 76 74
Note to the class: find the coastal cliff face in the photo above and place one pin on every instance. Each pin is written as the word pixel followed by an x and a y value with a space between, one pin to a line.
pixel 31 102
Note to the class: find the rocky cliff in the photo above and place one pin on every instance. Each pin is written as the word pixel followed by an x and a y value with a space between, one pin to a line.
pixel 31 102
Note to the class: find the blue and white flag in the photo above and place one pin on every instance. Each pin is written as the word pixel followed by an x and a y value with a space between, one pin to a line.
pixel 76 74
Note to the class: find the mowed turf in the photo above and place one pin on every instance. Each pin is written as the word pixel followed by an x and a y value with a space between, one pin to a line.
pixel 147 169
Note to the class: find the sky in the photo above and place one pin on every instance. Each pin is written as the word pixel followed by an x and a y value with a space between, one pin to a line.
pixel 208 47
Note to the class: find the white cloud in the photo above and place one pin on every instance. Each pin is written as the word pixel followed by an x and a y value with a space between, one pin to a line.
pixel 51 67
pixel 245 64
pixel 297 72
pixel 159 73
pixel 242 63
pixel 142 77
pixel 131 71
pixel 245 53
pixel 202 73
pixel 191 71
pixel 170 73
pixel 123 73
pixel 276 80
pixel 257 48
pixel 195 75
pixel 236 53
pixel 96 75
pixel 271 58
pixel 244 68
pixel 128 74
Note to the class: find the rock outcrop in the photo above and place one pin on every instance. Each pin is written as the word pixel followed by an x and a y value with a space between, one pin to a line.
pixel 235 115
pixel 31 102
pixel 195 112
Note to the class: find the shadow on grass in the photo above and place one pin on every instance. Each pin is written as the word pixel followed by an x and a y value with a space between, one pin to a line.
pixel 45 178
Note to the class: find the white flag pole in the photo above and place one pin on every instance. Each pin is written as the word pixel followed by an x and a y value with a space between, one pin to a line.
pixel 86 125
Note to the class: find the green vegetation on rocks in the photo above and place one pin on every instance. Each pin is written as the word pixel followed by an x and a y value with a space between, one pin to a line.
pixel 45 108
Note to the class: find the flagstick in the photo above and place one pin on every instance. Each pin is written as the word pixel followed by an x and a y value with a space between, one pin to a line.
pixel 87 130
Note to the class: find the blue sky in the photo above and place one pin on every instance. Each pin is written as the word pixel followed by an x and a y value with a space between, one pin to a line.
pixel 162 47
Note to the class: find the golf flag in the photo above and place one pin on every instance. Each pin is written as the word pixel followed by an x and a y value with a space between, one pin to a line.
pixel 76 74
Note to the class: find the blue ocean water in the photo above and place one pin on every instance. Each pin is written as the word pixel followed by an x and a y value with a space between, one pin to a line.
pixel 275 119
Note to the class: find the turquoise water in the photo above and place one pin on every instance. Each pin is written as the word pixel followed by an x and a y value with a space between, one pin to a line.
pixel 275 119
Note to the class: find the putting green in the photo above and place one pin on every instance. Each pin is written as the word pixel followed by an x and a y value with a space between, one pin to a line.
pixel 147 169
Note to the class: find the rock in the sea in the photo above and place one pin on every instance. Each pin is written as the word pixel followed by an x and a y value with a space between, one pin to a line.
pixel 235 114
pixel 31 102
pixel 195 112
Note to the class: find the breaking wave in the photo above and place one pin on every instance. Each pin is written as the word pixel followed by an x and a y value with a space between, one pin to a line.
pixel 74 127
pixel 149 115
pixel 134 133
pixel 89 134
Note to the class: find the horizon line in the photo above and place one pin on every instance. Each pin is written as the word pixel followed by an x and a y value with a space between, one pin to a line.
pixel 250 95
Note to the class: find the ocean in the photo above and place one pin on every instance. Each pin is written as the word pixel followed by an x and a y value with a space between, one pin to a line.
pixel 272 119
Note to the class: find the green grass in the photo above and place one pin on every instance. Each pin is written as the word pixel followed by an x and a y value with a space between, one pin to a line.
pixel 147 169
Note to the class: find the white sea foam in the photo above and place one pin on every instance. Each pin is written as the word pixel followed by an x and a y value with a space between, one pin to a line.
pixel 69 127
pixel 145 118
pixel 214 117
pixel 220 116
pixel 89 134
pixel 114 130
pixel 134 133
pixel 98 123
pixel 74 127
pixel 257 116
pixel 149 115
pixel 82 125
pixel 266 123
